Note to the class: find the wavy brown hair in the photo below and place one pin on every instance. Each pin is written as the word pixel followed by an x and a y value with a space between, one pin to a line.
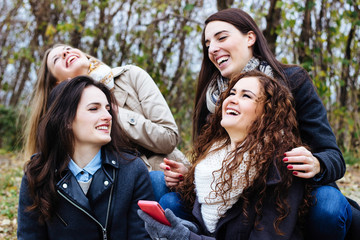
pixel 55 140
pixel 269 136
pixel 261 50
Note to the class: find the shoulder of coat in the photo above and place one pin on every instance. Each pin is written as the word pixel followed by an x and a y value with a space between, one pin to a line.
pixel 117 71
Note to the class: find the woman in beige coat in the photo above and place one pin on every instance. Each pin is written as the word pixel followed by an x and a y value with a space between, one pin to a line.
pixel 142 112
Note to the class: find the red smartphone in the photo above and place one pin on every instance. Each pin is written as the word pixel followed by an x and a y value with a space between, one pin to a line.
pixel 154 209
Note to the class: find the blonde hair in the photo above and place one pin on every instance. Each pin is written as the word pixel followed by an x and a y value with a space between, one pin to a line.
pixel 45 83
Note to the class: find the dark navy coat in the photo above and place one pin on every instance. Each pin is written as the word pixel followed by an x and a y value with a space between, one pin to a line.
pixel 108 211
pixel 314 126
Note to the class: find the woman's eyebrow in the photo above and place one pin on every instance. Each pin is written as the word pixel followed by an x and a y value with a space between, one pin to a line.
pixel 243 91
pixel 248 91
pixel 222 31
pixel 94 103
pixel 217 33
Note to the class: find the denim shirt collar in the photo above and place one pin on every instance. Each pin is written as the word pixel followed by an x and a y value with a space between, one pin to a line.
pixel 90 168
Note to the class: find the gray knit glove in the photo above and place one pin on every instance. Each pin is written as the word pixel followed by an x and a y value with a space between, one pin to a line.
pixel 179 230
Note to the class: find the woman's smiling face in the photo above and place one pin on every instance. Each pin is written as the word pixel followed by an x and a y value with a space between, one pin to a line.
pixel 92 123
pixel 228 49
pixel 242 107
pixel 65 62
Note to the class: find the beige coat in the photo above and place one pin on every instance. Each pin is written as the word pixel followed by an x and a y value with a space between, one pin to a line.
pixel 146 117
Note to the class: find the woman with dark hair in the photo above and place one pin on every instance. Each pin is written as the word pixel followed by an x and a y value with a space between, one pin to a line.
pixel 143 111
pixel 85 181
pixel 238 185
pixel 233 43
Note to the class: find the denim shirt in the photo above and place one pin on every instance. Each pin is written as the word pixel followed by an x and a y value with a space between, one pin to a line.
pixel 85 174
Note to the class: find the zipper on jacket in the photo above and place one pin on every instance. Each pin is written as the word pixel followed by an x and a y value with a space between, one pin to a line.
pixel 104 234
pixel 104 231
pixel 110 198
pixel 61 219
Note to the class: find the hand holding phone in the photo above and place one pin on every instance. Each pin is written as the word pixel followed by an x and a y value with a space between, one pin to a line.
pixel 154 209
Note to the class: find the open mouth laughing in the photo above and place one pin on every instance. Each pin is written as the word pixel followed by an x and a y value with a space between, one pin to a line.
pixel 232 112
pixel 71 59
pixel 222 60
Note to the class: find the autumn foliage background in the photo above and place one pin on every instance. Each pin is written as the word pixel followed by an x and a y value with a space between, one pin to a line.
pixel 163 37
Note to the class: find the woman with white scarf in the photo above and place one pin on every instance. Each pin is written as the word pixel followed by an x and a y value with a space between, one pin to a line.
pixel 233 43
pixel 238 186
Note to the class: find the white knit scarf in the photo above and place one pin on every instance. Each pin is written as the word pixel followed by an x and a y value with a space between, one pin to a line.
pixel 101 72
pixel 212 207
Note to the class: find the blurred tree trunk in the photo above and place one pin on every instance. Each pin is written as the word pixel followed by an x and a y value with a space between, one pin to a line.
pixel 355 90
pixel 223 4
pixel 319 61
pixel 272 23
pixel 79 22
pixel 45 16
pixel 305 35
pixel 99 30
pixel 41 12
pixel 328 68
pixel 21 78
pixel 124 45
pixel 344 88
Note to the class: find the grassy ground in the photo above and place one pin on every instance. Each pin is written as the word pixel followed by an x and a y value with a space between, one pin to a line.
pixel 10 178
pixel 11 173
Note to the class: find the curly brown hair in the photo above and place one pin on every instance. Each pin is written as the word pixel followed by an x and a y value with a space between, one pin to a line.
pixel 269 137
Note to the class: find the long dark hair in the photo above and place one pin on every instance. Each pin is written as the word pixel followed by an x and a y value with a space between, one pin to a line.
pixel 55 140
pixel 244 23
pixel 269 136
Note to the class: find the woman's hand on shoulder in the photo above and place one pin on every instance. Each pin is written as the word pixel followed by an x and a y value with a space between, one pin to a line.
pixel 174 172
pixel 302 162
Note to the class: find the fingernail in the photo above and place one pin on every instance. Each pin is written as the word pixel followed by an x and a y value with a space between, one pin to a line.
pixel 167 168
pixel 181 178
pixel 295 173
pixel 284 154
pixel 285 159
pixel 290 167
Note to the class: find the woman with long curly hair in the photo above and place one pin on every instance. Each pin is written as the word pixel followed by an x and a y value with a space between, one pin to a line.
pixel 238 185
pixel 233 43
pixel 86 180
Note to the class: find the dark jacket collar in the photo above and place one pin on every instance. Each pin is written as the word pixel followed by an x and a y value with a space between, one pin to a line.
pixel 102 181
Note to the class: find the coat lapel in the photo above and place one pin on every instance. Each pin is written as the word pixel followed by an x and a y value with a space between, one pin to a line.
pixel 71 189
pixel 101 183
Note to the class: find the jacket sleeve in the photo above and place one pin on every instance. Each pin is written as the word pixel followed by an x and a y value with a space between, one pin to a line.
pixel 29 227
pixel 155 129
pixel 314 127
pixel 142 191
pixel 194 236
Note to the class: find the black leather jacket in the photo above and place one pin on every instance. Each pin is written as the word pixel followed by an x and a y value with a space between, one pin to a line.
pixel 108 211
